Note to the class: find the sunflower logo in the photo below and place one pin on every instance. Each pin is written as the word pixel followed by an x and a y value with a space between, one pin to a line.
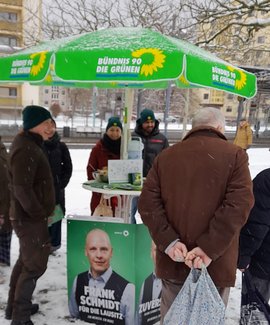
pixel 153 58
pixel 36 68
pixel 183 80
pixel 239 83
pixel 49 77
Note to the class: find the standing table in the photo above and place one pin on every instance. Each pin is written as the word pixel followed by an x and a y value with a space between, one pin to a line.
pixel 124 196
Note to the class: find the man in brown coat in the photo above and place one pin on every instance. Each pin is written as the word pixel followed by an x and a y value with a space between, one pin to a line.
pixel 195 200
pixel 32 202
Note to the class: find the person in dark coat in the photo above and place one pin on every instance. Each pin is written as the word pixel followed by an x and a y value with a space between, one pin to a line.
pixel 32 202
pixel 147 128
pixel 105 149
pixel 195 200
pixel 254 243
pixel 61 166
pixel 5 225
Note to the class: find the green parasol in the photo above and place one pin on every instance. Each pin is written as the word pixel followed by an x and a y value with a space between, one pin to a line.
pixel 124 57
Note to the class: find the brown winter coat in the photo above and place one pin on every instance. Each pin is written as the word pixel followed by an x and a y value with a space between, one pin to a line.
pixel 4 192
pixel 32 190
pixel 243 136
pixel 200 191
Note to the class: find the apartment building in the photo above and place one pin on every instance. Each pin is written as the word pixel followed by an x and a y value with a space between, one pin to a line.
pixel 17 22
pixel 255 53
pixel 11 39
pixel 55 95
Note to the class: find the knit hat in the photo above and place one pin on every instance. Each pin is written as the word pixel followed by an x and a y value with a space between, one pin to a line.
pixel 114 121
pixel 146 115
pixel 33 115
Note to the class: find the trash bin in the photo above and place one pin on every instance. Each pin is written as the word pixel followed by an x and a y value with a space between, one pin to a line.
pixel 66 131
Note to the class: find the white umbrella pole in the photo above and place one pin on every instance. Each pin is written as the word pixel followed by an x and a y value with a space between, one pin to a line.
pixel 129 97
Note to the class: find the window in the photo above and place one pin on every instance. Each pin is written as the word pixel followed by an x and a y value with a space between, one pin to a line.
pixel 54 96
pixel 63 92
pixel 205 96
pixel 62 103
pixel 229 109
pixel 46 91
pixel 261 39
pixel 230 96
pixel 8 40
pixel 55 89
pixel 8 16
pixel 236 41
pixel 258 54
pixel 46 102
pixel 12 92
pixel 8 92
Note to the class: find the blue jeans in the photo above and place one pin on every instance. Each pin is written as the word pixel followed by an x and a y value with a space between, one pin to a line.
pixel 133 210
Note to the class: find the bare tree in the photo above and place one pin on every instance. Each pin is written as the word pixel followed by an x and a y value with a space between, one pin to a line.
pixel 209 18
pixel 225 27
pixel 55 109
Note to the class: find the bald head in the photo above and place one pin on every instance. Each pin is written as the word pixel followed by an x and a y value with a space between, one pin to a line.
pixel 98 249
pixel 98 234
pixel 209 116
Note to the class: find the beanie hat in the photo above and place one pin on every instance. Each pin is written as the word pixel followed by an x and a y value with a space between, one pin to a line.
pixel 114 121
pixel 146 115
pixel 33 115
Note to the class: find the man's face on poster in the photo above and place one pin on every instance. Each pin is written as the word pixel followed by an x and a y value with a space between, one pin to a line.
pixel 99 252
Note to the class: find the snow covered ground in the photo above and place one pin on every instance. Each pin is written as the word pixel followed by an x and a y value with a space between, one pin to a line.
pixel 51 290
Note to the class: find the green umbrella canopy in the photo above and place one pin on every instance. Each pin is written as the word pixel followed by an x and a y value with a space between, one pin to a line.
pixel 124 57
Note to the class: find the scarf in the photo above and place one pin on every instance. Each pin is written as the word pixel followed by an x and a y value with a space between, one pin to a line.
pixel 112 145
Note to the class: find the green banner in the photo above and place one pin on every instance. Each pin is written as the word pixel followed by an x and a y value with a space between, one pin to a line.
pixel 124 57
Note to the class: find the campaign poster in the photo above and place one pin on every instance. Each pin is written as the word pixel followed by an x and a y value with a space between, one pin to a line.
pixel 148 293
pixel 121 254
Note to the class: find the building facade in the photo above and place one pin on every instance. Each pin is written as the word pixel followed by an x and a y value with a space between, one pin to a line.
pixel 253 53
pixel 18 20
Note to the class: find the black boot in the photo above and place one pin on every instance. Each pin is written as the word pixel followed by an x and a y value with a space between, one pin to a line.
pixel 19 322
pixel 8 312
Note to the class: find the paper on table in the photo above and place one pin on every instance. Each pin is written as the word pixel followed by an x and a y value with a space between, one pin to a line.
pixel 118 170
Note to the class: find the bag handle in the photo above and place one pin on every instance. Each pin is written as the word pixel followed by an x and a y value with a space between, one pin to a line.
pixel 104 201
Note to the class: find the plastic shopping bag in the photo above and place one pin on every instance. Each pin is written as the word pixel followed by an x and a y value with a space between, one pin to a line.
pixel 57 215
pixel 254 310
pixel 197 303
pixel 104 208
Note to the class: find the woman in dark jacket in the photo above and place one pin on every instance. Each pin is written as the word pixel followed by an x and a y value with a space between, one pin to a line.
pixel 5 225
pixel 106 148
pixel 254 246
pixel 61 167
